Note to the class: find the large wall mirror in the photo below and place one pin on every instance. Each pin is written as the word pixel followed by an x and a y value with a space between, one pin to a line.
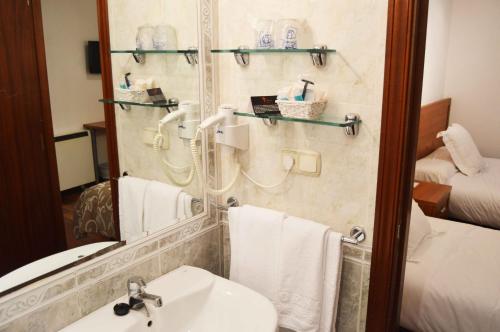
pixel 113 169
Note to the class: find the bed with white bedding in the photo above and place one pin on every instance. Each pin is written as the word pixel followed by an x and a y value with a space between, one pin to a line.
pixel 476 198
pixel 452 281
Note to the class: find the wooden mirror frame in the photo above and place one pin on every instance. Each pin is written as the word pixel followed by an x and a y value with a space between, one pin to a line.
pixel 109 109
pixel 405 52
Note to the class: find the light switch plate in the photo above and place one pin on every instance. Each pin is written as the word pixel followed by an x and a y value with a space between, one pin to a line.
pixel 306 162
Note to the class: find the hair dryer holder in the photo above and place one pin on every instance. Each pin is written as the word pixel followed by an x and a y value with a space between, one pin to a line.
pixel 235 136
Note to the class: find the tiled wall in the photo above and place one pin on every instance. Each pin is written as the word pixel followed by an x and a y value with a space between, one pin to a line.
pixel 343 195
pixel 58 301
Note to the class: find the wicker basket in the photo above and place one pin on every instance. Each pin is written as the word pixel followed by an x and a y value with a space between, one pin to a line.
pixel 132 95
pixel 301 109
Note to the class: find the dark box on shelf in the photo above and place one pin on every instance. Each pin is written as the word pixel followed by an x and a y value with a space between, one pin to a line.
pixel 264 106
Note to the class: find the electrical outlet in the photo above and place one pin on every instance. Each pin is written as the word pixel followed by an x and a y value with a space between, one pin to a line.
pixel 305 162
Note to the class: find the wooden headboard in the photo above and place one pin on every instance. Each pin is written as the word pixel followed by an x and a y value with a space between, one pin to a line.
pixel 433 119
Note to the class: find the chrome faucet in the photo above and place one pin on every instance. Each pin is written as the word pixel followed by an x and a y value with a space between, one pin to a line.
pixel 137 295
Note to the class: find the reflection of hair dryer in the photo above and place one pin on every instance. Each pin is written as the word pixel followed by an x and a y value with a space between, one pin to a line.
pixel 189 112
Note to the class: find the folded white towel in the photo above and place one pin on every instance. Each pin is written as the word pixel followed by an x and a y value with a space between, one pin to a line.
pixel 181 214
pixel 188 202
pixel 331 287
pixel 131 207
pixel 302 274
pixel 160 206
pixel 255 248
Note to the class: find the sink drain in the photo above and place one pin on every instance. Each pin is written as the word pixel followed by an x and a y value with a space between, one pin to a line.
pixel 150 323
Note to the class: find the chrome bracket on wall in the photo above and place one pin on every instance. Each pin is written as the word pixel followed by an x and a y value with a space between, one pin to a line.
pixel 139 58
pixel 319 55
pixel 125 107
pixel 242 58
pixel 191 55
pixel 270 122
pixel 352 124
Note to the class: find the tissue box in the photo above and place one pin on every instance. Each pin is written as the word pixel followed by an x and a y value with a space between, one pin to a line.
pixel 301 109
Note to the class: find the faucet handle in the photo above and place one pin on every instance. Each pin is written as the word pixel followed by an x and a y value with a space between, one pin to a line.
pixel 135 285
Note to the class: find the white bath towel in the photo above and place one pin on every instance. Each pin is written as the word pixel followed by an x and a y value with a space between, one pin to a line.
pixel 331 286
pixel 131 207
pixel 160 206
pixel 188 202
pixel 302 274
pixel 255 248
pixel 181 211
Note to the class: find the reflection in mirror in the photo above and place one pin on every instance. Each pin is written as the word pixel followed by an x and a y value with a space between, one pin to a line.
pixel 64 207
pixel 157 107
pixel 58 207
pixel 455 219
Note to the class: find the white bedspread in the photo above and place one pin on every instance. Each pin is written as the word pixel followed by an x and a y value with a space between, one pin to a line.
pixel 476 199
pixel 454 283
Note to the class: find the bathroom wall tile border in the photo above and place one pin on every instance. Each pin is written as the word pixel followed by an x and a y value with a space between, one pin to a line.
pixel 60 285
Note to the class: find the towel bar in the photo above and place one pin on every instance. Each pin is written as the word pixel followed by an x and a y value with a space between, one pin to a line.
pixel 231 202
pixel 357 236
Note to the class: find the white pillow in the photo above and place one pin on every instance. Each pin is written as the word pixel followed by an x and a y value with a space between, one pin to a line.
pixel 463 150
pixel 437 167
pixel 419 229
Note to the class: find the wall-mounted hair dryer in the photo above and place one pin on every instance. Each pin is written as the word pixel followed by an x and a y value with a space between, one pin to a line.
pixel 229 132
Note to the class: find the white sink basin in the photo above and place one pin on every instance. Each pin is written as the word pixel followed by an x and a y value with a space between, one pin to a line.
pixel 194 300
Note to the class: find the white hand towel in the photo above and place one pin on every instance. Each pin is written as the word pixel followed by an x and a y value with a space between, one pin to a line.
pixel 188 202
pixel 302 275
pixel 160 206
pixel 181 215
pixel 131 207
pixel 255 248
pixel 331 290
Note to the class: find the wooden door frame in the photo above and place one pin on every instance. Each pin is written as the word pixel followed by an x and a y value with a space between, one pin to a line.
pixel 405 52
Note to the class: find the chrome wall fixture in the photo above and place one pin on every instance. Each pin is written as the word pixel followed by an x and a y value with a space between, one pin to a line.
pixel 191 54
pixel 352 124
pixel 242 57
pixel 318 56
pixel 357 236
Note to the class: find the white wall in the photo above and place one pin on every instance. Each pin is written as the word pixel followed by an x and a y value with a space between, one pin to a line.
pixel 438 32
pixel 462 62
pixel 74 94
pixel 473 71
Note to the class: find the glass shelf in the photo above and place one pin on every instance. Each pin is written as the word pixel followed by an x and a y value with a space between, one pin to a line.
pixel 242 54
pixel 154 51
pixel 191 54
pixel 123 103
pixel 274 50
pixel 323 120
